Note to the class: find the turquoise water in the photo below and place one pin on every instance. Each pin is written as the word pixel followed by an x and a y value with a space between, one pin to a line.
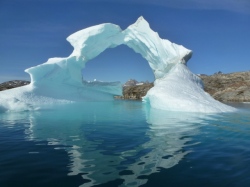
pixel 124 143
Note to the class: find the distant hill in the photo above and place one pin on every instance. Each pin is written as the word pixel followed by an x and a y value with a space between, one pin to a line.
pixel 133 82
pixel 12 84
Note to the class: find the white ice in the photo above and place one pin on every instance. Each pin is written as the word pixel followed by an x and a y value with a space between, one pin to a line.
pixel 59 80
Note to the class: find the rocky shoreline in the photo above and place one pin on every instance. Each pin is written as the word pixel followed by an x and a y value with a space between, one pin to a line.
pixel 232 87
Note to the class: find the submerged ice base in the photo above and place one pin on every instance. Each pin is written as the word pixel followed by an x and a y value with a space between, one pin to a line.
pixel 59 80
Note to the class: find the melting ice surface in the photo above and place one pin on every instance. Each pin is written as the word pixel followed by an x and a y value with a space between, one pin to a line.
pixel 59 80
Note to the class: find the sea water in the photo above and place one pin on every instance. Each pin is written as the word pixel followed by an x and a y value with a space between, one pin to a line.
pixel 123 143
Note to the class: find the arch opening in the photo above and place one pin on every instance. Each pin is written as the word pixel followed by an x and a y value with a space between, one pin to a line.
pixel 118 64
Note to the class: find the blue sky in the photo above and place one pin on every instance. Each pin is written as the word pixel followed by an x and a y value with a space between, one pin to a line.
pixel 31 31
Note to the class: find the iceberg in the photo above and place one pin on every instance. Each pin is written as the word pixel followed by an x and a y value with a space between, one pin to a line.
pixel 59 80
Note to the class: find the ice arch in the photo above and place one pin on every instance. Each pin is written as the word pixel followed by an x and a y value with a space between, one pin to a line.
pixel 89 43
pixel 60 79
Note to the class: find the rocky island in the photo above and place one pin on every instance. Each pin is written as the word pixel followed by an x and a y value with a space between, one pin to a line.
pixel 135 90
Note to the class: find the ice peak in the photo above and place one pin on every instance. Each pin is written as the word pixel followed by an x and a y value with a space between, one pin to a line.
pixel 141 20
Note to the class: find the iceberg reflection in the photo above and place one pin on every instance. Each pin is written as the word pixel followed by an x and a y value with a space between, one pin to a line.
pixel 116 140
pixel 169 133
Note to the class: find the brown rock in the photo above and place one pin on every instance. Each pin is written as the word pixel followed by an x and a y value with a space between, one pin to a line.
pixel 136 92
pixel 233 87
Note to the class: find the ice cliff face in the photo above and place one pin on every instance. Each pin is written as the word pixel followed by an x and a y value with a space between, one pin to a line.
pixel 60 79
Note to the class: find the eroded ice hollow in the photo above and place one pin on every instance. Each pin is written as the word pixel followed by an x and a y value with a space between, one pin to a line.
pixel 176 88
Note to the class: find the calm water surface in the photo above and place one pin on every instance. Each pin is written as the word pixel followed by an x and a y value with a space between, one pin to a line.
pixel 124 143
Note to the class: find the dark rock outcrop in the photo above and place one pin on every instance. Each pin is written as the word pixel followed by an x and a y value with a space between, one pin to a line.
pixel 12 84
